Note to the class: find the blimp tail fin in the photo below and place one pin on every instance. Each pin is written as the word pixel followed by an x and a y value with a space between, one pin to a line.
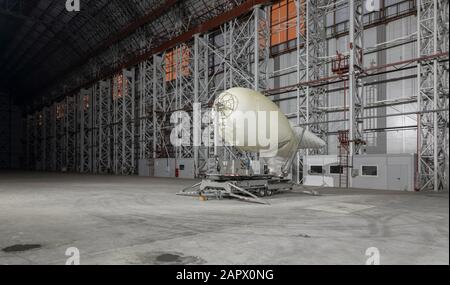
pixel 308 139
pixel 305 139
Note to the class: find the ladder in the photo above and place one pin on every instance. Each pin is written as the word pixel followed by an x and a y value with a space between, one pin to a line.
pixel 343 158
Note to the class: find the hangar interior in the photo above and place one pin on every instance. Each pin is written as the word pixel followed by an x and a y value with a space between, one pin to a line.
pixel 86 117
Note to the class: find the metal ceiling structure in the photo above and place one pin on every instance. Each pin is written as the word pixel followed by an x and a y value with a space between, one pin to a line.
pixel 46 48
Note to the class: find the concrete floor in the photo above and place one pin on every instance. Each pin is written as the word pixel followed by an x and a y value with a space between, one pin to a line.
pixel 140 220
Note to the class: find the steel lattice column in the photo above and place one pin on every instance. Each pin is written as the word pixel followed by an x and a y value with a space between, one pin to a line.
pixel 71 138
pixel 95 123
pixel 85 125
pixel 317 50
pixel 60 126
pixel 123 121
pixel 356 48
pixel 104 127
pixel 245 41
pixel 146 110
pixel 31 140
pixel 312 51
pixel 302 17
pixel 183 88
pixel 433 92
pixel 40 141
pixel 202 95
pixel 49 138
pixel 161 108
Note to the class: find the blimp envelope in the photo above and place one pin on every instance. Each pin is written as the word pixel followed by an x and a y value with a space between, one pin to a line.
pixel 251 122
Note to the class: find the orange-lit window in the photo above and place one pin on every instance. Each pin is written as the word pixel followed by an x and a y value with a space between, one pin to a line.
pixel 283 21
pixel 40 119
pixel 86 102
pixel 118 86
pixel 59 111
pixel 171 71
pixel 172 60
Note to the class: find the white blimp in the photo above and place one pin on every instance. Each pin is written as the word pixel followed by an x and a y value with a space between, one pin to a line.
pixel 251 122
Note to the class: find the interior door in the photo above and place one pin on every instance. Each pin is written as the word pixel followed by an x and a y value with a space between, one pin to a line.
pixel 398 177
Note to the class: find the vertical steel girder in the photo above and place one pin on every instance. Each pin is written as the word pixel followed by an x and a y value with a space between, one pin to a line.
pixel 31 140
pixel 356 51
pixel 203 91
pixel 85 130
pixel 123 122
pixel 60 135
pixel 49 139
pixel 95 123
pixel 433 95
pixel 70 118
pixel 173 90
pixel 146 128
pixel 183 91
pixel 100 135
pixel 245 40
pixel 317 50
pixel 104 127
pixel 65 120
pixel 312 51
pixel 40 141
pixel 162 103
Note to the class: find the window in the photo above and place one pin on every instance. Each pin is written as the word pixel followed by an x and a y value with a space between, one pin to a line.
pixel 283 21
pixel 118 86
pixel 40 119
pixel 171 72
pixel 370 96
pixel 86 102
pixel 172 60
pixel 369 170
pixel 336 169
pixel 59 111
pixel 316 169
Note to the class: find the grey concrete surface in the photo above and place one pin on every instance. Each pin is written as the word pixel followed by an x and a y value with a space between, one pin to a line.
pixel 140 220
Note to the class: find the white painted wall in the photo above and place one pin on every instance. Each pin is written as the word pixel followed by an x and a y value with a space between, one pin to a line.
pixel 395 171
